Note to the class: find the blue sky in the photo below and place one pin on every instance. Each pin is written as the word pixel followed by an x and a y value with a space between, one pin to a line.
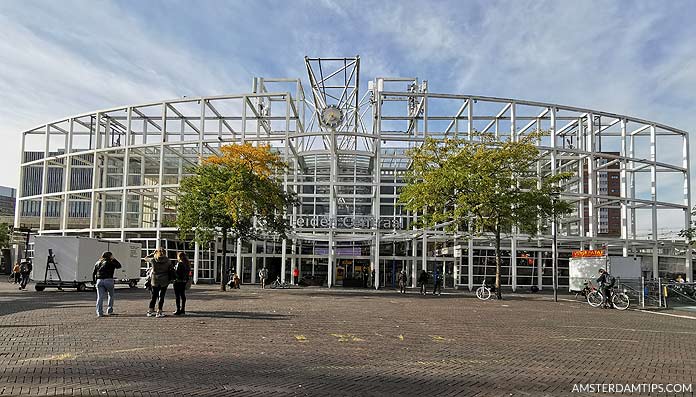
pixel 59 58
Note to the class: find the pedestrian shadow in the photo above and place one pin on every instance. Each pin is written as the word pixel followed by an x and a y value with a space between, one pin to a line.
pixel 238 315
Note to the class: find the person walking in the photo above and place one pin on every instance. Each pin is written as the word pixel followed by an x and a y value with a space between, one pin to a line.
pixel 437 282
pixel 162 274
pixel 103 279
pixel 402 278
pixel 423 280
pixel 15 272
pixel 181 279
pixel 263 275
pixel 25 271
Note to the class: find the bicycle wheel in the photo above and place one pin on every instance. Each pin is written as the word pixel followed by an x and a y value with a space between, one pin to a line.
pixel 595 298
pixel 620 301
pixel 483 293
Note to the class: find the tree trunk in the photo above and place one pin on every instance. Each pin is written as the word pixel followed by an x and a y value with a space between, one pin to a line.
pixel 498 294
pixel 223 265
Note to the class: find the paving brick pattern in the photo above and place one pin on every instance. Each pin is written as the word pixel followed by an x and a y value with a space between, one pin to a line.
pixel 331 342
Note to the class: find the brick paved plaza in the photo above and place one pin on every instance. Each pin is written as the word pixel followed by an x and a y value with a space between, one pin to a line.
pixel 331 342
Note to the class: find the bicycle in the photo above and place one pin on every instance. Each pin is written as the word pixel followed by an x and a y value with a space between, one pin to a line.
pixel 586 290
pixel 279 284
pixel 11 279
pixel 483 292
pixel 619 300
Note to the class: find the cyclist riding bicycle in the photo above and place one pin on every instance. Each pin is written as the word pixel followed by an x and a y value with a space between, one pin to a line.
pixel 606 282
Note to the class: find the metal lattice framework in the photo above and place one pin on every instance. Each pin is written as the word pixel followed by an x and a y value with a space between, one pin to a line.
pixel 115 173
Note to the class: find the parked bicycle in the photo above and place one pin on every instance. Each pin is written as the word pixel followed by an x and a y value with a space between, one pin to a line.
pixel 619 300
pixel 484 291
pixel 279 284
pixel 587 288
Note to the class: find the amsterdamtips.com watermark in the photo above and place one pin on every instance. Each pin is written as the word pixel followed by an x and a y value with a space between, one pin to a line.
pixel 632 388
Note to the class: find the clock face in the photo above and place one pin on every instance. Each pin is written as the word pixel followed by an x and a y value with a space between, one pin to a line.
pixel 331 116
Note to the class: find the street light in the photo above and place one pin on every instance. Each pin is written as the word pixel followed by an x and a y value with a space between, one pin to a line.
pixel 554 250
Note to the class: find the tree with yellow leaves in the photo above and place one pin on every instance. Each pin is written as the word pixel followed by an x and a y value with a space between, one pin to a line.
pixel 234 194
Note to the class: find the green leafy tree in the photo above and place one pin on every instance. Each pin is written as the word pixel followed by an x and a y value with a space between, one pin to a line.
pixel 234 195
pixel 483 186
pixel 5 235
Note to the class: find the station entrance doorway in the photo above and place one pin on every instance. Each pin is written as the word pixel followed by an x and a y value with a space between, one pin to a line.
pixel 352 272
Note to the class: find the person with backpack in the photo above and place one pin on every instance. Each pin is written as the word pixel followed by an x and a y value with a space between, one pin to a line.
pixel 103 279
pixel 423 280
pixel 606 283
pixel 162 273
pixel 263 275
pixel 24 271
pixel 181 279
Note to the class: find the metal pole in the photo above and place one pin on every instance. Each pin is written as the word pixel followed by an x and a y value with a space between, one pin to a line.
pixel 659 292
pixel 642 292
pixel 555 255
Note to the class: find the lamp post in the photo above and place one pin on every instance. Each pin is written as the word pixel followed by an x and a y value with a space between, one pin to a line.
pixel 554 249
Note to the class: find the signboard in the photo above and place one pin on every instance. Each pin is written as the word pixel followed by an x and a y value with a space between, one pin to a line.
pixel 588 254
pixel 347 222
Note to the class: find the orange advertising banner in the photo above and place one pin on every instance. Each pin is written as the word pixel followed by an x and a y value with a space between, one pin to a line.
pixel 588 253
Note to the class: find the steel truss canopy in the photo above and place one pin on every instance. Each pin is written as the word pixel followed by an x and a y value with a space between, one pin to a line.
pixel 116 172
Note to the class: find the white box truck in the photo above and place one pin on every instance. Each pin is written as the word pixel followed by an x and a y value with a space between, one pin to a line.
pixel 73 260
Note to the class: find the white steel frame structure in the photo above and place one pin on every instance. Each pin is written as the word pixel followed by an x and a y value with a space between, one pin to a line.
pixel 115 174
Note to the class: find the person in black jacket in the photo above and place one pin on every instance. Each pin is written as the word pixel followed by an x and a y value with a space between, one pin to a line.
pixel 103 278
pixel 606 283
pixel 423 280
pixel 181 278
pixel 25 271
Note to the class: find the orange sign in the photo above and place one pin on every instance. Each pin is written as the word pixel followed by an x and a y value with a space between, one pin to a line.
pixel 588 253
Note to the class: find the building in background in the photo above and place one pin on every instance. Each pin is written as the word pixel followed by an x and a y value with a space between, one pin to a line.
pixel 115 174
pixel 8 199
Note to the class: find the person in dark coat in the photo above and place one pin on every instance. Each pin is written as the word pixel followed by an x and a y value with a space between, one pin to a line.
pixel 25 268
pixel 162 273
pixel 181 279
pixel 103 279
pixel 423 280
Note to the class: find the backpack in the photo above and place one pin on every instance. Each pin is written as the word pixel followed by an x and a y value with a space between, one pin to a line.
pixel 611 280
pixel 24 268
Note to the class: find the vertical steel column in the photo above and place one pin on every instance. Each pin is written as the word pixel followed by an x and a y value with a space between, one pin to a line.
pixel 414 262
pixel 44 180
pixel 653 198
pixel 283 258
pixel 689 270
pixel 470 258
pixel 66 175
pixel 160 211
pixel 253 262
pixel 95 173
pixel 424 253
pixel 20 188
pixel 624 189
pixel 238 264
pixel 126 161
pixel 513 237
pixel 196 261
pixel 293 261
pixel 591 180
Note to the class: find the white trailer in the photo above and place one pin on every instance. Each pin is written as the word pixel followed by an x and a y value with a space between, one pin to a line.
pixel 74 259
